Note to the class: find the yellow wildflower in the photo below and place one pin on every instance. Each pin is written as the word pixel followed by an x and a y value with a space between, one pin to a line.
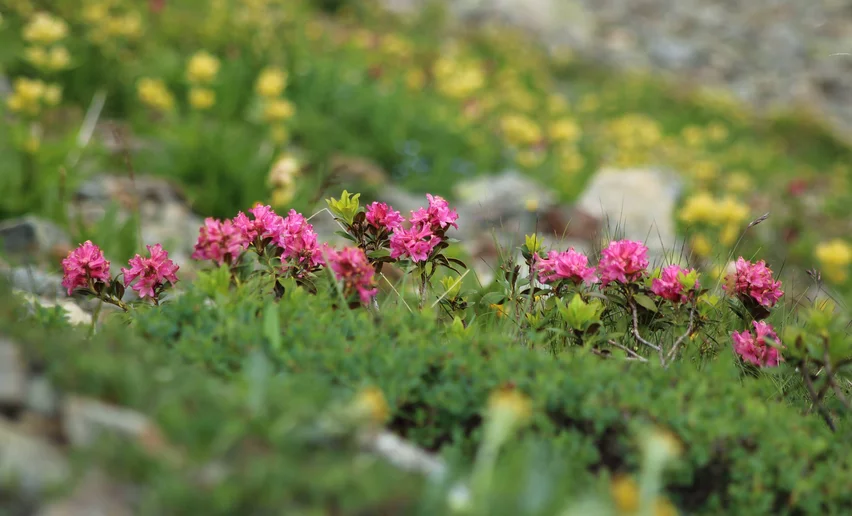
pixel 732 211
pixel 278 110
pixel 738 182
pixel 510 401
pixel 155 94
pixel 370 404
pixel 625 494
pixel 729 234
pixel 529 158
pixel 717 132
pixel 700 245
pixel 565 130
pixel 58 58
pixel 45 29
pixel 834 256
pixel 271 82
pixel 500 310
pixel 27 96
pixel 95 12
pixel 202 98
pixel 415 79
pixel 52 94
pixel 520 130
pixel 202 67
pixel 36 56
pixel 700 207
pixel 705 171
pixel 693 135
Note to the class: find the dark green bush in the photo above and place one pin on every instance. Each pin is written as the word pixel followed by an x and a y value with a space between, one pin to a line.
pixel 744 451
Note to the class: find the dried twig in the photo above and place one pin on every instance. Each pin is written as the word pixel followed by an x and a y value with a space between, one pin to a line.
pixel 639 337
pixel 683 337
pixel 633 355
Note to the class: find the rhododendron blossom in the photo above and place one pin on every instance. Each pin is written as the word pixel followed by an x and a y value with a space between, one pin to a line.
pixel 352 268
pixel 570 265
pixel 298 240
pixel 668 285
pixel 623 261
pixel 218 241
pixel 755 348
pixel 266 224
pixel 415 243
pixel 382 216
pixel 152 272
pixel 754 280
pixel 83 264
pixel 437 216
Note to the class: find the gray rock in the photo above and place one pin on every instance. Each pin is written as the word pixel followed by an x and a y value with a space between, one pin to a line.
pixel 166 216
pixel 637 204
pixel 33 464
pixel 35 281
pixel 95 495
pixel 84 420
pixel 33 237
pixel 42 398
pixel 13 375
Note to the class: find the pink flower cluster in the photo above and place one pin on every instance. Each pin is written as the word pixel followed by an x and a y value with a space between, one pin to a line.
pixel 381 216
pixel 623 261
pixel 350 266
pixel 755 280
pixel 755 348
pixel 152 272
pixel 87 263
pixel 426 231
pixel 668 286
pixel 570 265
pixel 223 242
pixel 84 264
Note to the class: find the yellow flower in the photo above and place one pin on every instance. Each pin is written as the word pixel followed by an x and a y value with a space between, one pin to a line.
pixel 155 94
pixel 202 98
pixel 370 404
pixel 58 58
pixel 565 130
pixel 738 182
pixel 415 79
pixel 520 130
pixel 717 132
pixel 531 204
pixel 202 67
pixel 693 135
pixel 271 82
pixel 834 256
pixel 52 94
pixel 700 245
pixel 45 29
pixel 510 401
pixel 396 46
pixel 95 12
pixel 705 171
pixel 625 494
pixel 557 104
pixel 732 211
pixel 27 96
pixel 36 56
pixel 700 207
pixel 500 310
pixel 284 171
pixel 278 110
pixel 529 158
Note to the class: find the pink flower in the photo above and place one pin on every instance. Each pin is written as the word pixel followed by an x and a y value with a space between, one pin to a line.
pixel 152 272
pixel 85 263
pixel 567 265
pixel 266 224
pixel 437 216
pixel 352 268
pixel 756 349
pixel 668 285
pixel 382 216
pixel 754 280
pixel 623 261
pixel 298 240
pixel 218 241
pixel 415 243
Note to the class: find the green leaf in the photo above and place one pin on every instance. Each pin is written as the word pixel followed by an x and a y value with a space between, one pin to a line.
pixel 272 327
pixel 645 302
pixel 492 298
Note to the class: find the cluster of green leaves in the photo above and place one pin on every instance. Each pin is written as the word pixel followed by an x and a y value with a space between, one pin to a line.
pixel 746 449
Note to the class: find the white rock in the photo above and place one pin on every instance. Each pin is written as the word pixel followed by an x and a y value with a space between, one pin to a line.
pixel 638 204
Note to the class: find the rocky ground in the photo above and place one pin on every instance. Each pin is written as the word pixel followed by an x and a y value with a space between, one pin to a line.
pixel 769 53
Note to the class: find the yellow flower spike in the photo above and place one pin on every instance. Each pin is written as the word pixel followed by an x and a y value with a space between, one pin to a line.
pixel 693 136
pixel 511 402
pixel 565 130
pixel 834 256
pixel 130 25
pixel 370 405
pixel 271 82
pixel 202 98
pixel 700 207
pixel 95 12
pixel 500 310
pixel 278 110
pixel 52 94
pixel 45 29
pixel 58 58
pixel 625 494
pixel 738 182
pixel 700 245
pixel 717 132
pixel 202 67
pixel 729 234
pixel 520 130
pixel 705 171
pixel 155 94
pixel 36 56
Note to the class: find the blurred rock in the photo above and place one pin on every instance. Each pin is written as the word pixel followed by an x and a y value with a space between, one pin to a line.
pixel 35 281
pixel 165 212
pixel 86 419
pixel 42 398
pixel 36 239
pixel 13 376
pixel 95 495
pixel 638 204
pixel 35 464
pixel 73 312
